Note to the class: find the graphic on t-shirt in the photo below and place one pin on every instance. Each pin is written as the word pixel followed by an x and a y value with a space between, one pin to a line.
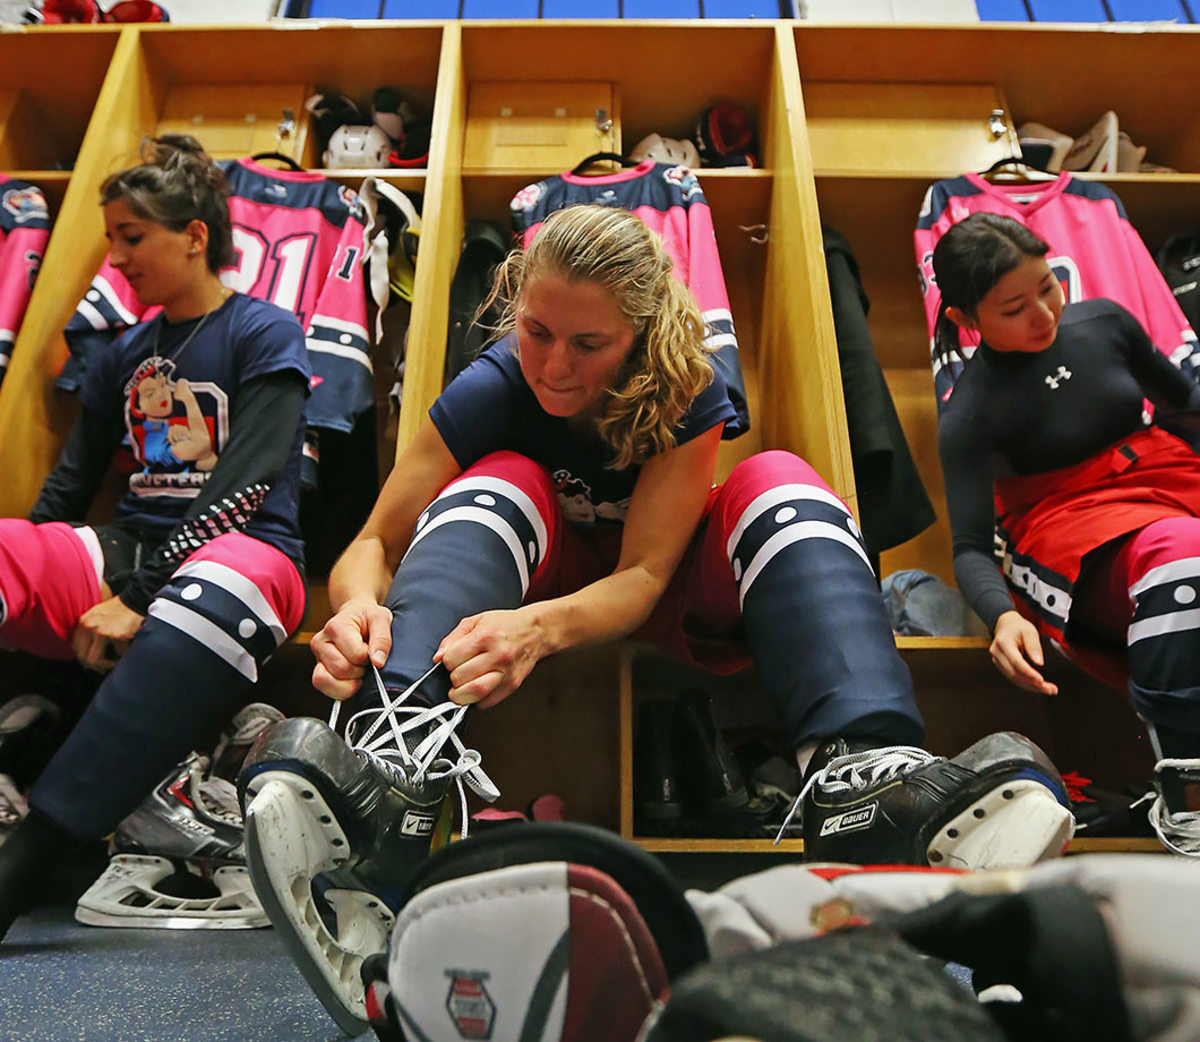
pixel 177 428
pixel 575 499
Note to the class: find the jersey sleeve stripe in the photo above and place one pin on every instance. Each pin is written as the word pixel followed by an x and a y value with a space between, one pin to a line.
pixel 350 351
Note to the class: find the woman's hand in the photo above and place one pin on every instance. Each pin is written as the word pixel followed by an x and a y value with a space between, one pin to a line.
pixel 1016 649
pixel 104 632
pixel 360 633
pixel 488 656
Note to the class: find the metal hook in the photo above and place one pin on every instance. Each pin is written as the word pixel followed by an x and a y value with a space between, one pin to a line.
pixel 997 124
pixel 758 232
pixel 286 125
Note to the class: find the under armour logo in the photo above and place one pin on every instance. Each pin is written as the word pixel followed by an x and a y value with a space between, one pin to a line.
pixel 1063 374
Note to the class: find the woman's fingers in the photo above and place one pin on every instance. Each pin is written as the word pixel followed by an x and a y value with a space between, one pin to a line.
pixel 1012 651
pixel 379 634
pixel 334 687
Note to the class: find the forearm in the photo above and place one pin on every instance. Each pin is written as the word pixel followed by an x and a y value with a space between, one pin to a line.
pixel 604 611
pixel 980 582
pixel 366 568
pixel 361 573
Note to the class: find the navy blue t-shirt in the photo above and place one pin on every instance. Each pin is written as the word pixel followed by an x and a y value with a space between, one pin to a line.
pixel 489 407
pixel 177 415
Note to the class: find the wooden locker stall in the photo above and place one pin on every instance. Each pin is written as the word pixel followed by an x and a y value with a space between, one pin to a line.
pixel 46 131
pixel 875 80
pixel 853 123
pixel 570 730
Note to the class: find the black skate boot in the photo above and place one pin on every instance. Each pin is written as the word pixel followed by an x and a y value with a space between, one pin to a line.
pixel 334 829
pixel 998 804
pixel 178 861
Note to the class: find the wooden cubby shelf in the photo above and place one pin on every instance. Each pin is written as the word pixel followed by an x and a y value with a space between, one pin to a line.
pixel 852 125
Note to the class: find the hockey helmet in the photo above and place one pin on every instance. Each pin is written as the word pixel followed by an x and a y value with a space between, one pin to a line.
pixel 357 146
pixel 661 149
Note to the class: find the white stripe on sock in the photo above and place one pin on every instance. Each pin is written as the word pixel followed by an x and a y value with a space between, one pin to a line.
pixel 207 633
pixel 1173 622
pixel 234 582
pixel 488 483
pixel 1172 571
pixel 794 533
pixel 773 497
pixel 91 543
pixel 489 519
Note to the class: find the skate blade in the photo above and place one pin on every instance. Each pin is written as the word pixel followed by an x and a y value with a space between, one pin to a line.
pixel 292 836
pixel 1015 825
pixel 126 896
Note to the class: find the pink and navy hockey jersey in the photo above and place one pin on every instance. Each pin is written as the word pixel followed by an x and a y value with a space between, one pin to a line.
pixel 24 230
pixel 298 243
pixel 669 201
pixel 1094 250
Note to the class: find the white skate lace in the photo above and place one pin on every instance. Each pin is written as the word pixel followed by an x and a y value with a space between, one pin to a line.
pixel 860 770
pixel 1178 831
pixel 383 736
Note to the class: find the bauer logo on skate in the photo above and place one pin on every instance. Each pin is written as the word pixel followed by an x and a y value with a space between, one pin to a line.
pixel 852 819
pixel 416 824
pixel 469 1004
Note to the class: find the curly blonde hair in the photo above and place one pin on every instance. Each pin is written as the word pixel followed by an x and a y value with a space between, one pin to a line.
pixel 668 364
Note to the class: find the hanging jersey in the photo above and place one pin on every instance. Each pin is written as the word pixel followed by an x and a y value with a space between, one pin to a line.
pixel 24 230
pixel 175 386
pixel 669 201
pixel 1094 251
pixel 489 407
pixel 298 243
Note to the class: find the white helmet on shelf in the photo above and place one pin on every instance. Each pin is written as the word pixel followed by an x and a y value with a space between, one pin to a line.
pixel 364 146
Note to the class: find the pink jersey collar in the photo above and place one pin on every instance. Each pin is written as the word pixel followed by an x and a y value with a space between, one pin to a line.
pixel 1023 198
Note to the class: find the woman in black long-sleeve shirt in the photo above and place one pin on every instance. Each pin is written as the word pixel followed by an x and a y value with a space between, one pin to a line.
pixel 1053 467
pixel 198 578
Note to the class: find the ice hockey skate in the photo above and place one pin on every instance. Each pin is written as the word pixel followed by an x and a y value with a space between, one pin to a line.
pixel 998 804
pixel 334 828
pixel 1174 818
pixel 179 860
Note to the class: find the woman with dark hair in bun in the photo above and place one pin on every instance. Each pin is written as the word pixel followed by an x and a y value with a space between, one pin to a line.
pixel 199 577
pixel 1055 472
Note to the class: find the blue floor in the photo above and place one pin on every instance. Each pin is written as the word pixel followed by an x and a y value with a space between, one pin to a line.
pixel 63 982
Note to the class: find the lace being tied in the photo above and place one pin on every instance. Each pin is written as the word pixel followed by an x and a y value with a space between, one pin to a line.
pixel 860 770
pixel 381 732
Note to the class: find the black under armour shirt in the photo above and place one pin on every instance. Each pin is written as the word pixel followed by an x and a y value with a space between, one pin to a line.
pixel 1026 413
